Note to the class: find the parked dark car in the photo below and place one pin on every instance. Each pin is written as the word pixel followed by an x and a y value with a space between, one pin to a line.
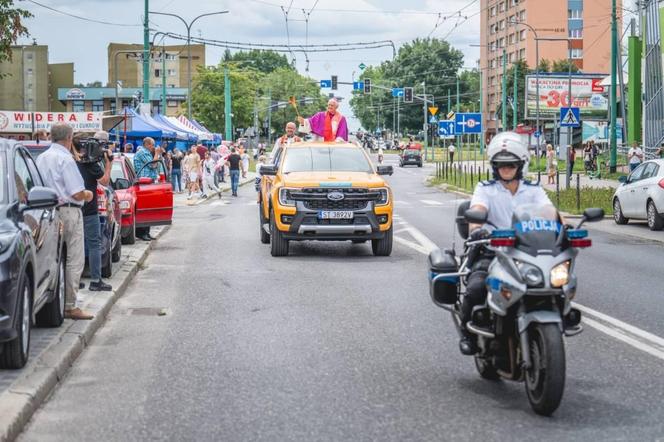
pixel 110 217
pixel 32 254
pixel 410 156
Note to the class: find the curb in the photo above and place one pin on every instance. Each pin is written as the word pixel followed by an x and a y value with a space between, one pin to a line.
pixel 224 190
pixel 28 393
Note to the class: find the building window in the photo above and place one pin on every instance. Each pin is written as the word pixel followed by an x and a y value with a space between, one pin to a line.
pixel 30 71
pixel 576 33
pixel 522 35
pixel 502 24
pixel 492 64
pixel 574 14
pixel 492 46
pixel 514 2
pixel 113 107
pixel 522 15
pixel 522 54
pixel 172 103
pixel 512 38
pixel 171 85
pixel 157 72
pixel 501 42
pixel 172 72
pixel 78 106
pixel 170 57
pixel 576 54
pixel 97 105
pixel 501 7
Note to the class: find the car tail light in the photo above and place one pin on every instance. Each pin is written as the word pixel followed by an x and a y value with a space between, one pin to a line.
pixel 102 202
pixel 661 183
pixel 581 243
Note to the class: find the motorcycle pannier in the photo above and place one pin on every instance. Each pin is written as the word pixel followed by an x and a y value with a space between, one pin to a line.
pixel 443 290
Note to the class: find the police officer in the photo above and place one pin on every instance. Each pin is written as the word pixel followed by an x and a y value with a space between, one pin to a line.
pixel 508 155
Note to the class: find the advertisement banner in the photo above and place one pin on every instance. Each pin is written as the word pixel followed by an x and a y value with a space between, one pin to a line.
pixel 598 131
pixel 21 122
pixel 588 95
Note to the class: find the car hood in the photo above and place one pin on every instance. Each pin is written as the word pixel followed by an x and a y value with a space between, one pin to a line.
pixel 333 179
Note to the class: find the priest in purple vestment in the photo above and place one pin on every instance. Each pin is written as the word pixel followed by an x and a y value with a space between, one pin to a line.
pixel 328 126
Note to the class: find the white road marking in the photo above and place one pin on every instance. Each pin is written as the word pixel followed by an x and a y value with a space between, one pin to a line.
pixel 402 203
pixel 432 203
pixel 627 333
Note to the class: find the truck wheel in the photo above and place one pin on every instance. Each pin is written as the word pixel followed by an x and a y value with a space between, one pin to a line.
pixel 265 237
pixel 279 245
pixel 383 246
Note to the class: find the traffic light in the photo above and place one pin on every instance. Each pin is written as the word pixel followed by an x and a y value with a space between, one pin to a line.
pixel 367 85
pixel 334 82
pixel 408 95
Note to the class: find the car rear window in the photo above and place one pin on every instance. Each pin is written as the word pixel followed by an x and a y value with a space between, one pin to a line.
pixel 411 152
pixel 117 171
pixel 322 159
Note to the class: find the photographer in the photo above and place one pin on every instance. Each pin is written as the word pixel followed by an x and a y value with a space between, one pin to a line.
pixel 91 152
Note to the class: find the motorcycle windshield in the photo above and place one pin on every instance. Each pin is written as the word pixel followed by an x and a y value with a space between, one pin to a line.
pixel 537 228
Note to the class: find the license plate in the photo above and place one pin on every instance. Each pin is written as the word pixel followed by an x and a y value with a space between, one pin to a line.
pixel 335 214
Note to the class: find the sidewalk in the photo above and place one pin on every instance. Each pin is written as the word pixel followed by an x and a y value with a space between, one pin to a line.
pixel 180 199
pixel 54 350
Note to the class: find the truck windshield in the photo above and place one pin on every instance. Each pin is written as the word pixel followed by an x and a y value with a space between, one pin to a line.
pixel 324 159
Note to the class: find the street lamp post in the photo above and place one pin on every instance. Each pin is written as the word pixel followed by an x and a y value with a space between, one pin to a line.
pixel 188 26
pixel 115 71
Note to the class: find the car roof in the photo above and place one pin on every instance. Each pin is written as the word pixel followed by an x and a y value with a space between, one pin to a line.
pixel 320 144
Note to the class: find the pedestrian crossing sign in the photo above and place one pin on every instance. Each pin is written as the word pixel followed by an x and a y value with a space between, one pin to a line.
pixel 570 117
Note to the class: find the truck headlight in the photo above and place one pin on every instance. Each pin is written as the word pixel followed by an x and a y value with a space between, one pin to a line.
pixel 560 274
pixel 384 196
pixel 531 274
pixel 285 198
pixel 125 205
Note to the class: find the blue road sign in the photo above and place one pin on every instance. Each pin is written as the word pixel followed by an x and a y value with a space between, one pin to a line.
pixel 468 123
pixel 433 119
pixel 446 128
pixel 326 83
pixel 358 85
pixel 570 117
pixel 397 92
pixel 537 134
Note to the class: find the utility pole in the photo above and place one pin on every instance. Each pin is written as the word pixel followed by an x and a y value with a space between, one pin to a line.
pixel 482 113
pixel 504 90
pixel 227 106
pixel 515 98
pixel 570 102
pixel 269 119
pixel 163 78
pixel 146 55
pixel 614 56
pixel 458 137
pixel 424 108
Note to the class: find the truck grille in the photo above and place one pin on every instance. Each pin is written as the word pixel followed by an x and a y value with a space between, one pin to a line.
pixel 315 198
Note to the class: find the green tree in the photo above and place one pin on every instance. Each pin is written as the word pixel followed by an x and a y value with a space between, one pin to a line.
pixel 262 61
pixel 563 66
pixel 11 27
pixel 430 61
pixel 522 71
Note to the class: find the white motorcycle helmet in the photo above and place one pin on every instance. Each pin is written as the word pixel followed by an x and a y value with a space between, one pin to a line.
pixel 506 148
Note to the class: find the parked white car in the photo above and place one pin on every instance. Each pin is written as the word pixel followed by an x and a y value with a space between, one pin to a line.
pixel 641 195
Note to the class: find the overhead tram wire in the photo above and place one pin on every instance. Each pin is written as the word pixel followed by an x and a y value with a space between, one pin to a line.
pixel 79 17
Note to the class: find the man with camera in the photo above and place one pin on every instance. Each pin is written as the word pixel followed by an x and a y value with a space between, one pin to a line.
pixel 145 164
pixel 91 152
pixel 58 168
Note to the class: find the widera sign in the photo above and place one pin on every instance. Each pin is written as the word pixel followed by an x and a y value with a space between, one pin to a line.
pixel 17 121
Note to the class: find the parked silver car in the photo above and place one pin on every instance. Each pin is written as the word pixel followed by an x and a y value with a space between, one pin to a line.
pixel 641 195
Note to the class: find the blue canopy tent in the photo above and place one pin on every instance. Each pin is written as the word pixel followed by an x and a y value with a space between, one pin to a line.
pixel 216 137
pixel 164 122
pixel 137 128
pixel 182 139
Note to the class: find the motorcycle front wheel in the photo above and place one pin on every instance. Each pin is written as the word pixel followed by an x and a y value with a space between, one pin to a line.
pixel 486 369
pixel 545 380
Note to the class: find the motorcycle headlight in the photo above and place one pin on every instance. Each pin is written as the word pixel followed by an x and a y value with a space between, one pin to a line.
pixel 560 274
pixel 284 197
pixel 384 196
pixel 531 274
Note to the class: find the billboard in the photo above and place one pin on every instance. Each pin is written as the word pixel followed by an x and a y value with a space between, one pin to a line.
pixel 19 122
pixel 588 95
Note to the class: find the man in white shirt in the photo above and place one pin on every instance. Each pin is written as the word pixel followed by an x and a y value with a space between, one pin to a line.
pixel 635 156
pixel 451 149
pixel 60 172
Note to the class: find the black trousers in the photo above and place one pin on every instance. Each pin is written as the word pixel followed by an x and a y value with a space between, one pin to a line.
pixel 142 231
pixel 476 284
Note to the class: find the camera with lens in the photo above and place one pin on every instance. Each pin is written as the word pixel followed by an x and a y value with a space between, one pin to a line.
pixel 90 150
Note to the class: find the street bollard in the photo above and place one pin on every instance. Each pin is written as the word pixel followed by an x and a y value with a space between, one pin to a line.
pixel 557 188
pixel 578 193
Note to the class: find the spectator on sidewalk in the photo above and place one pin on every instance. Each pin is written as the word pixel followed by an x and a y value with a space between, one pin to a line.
pixel 551 164
pixel 588 157
pixel 450 150
pixel 571 158
pixel 245 163
pixel 93 174
pixel 58 167
pixel 128 148
pixel 192 165
pixel 176 170
pixel 634 156
pixel 659 153
pixel 208 169
pixel 233 163
pixel 146 165
pixel 40 135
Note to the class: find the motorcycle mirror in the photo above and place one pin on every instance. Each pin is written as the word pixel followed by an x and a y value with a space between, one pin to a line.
pixel 476 216
pixel 591 214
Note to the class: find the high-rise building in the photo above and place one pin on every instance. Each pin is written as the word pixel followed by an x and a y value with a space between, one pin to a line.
pixel 30 83
pixel 129 60
pixel 587 25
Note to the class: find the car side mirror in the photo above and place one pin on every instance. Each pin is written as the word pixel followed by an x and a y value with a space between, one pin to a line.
pixel 384 170
pixel 121 184
pixel 144 180
pixel 476 216
pixel 269 169
pixel 41 198
pixel 623 179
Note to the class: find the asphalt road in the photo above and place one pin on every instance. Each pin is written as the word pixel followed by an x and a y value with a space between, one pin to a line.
pixel 332 343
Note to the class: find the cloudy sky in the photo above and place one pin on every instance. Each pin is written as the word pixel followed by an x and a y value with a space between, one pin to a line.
pixel 253 21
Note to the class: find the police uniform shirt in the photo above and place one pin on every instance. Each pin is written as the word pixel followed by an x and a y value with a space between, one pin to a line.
pixel 60 173
pixel 501 203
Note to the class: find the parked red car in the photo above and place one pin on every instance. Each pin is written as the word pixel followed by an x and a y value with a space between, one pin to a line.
pixel 143 203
